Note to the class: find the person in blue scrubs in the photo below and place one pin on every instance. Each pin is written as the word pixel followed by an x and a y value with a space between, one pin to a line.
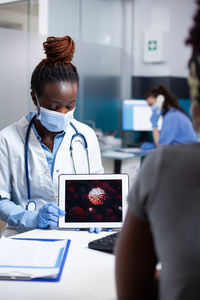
pixel 176 128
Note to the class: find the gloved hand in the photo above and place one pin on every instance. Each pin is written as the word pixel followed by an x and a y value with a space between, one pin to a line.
pixel 155 117
pixel 147 146
pixel 95 229
pixel 98 229
pixel 48 215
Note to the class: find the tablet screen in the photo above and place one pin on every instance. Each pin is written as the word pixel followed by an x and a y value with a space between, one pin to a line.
pixel 93 200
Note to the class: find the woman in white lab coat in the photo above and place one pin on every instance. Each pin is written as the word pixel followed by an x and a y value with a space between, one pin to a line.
pixel 29 186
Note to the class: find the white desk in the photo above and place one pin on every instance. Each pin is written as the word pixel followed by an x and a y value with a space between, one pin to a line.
pixel 87 275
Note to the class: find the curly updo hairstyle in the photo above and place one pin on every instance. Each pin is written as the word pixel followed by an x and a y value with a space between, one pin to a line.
pixel 57 66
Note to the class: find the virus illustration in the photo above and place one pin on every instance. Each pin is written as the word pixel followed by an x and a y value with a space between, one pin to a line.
pixel 97 196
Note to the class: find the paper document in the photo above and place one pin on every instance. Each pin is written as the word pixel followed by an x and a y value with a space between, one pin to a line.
pixel 130 150
pixel 27 258
pixel 134 151
pixel 117 154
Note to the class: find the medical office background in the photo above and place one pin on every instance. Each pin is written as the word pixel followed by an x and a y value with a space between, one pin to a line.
pixel 109 37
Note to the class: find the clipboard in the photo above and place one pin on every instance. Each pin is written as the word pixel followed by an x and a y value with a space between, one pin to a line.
pixel 47 279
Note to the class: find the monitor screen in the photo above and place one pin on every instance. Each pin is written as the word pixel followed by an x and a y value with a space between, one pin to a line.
pixel 136 115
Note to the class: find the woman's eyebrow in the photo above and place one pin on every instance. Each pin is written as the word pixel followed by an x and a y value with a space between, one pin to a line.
pixel 71 101
pixel 54 101
pixel 57 102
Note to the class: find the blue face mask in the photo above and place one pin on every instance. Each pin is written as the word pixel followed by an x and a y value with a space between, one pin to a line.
pixel 55 121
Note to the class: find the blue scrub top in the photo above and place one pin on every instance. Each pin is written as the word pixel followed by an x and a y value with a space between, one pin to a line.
pixel 177 128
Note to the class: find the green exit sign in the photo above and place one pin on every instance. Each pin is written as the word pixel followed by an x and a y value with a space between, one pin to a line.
pixel 152 45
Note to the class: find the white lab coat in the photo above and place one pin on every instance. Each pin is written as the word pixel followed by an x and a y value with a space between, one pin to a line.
pixel 43 189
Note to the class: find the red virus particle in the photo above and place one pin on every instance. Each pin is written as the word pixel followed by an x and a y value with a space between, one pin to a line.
pixel 97 196
pixel 77 213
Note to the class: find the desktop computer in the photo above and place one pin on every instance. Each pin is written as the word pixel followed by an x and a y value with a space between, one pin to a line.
pixel 135 122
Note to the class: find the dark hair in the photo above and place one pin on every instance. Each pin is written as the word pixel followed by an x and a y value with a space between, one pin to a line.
pixel 170 98
pixel 194 38
pixel 57 65
pixel 194 62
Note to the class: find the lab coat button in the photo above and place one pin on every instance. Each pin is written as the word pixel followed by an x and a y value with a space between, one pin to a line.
pixel 57 171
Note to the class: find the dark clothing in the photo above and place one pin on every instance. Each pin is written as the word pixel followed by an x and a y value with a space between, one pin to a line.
pixel 167 195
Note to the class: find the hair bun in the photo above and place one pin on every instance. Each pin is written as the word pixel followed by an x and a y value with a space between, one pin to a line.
pixel 59 49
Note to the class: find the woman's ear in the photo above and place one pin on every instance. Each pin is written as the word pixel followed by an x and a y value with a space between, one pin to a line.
pixel 33 96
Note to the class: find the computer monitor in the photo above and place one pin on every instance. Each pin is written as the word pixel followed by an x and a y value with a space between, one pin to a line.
pixel 136 115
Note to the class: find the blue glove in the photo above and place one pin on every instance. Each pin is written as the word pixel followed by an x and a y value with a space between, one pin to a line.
pixel 48 215
pixel 155 117
pixel 92 229
pixel 147 146
pixel 95 229
pixel 98 229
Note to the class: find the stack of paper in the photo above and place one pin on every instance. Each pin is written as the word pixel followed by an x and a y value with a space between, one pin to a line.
pixel 30 258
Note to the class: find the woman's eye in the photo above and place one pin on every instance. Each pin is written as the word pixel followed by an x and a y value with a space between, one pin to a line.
pixel 70 106
pixel 53 107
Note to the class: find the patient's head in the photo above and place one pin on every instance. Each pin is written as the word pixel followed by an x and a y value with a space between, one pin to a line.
pixel 194 69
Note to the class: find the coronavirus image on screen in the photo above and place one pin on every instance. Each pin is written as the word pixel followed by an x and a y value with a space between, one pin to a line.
pixel 93 200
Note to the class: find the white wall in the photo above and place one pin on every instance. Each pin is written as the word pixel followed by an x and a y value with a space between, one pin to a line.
pixel 20 52
pixel 172 16
pixel 102 22
pixel 35 54
pixel 13 75
pixel 63 18
pixel 127 49
pixel 180 23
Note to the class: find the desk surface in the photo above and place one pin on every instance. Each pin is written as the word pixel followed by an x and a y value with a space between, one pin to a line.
pixel 87 274
pixel 125 153
pixel 117 155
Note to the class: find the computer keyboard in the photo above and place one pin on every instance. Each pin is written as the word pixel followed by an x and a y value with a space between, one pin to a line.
pixel 106 243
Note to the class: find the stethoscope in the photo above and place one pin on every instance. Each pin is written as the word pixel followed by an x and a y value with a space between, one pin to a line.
pixel 31 204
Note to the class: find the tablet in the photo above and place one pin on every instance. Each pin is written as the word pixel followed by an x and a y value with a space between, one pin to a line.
pixel 94 200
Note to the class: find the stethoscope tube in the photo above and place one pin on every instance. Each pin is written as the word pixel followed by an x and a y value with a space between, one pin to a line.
pixel 26 157
pixel 77 134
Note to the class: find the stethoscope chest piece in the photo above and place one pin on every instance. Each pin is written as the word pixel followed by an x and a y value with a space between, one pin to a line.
pixel 31 206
